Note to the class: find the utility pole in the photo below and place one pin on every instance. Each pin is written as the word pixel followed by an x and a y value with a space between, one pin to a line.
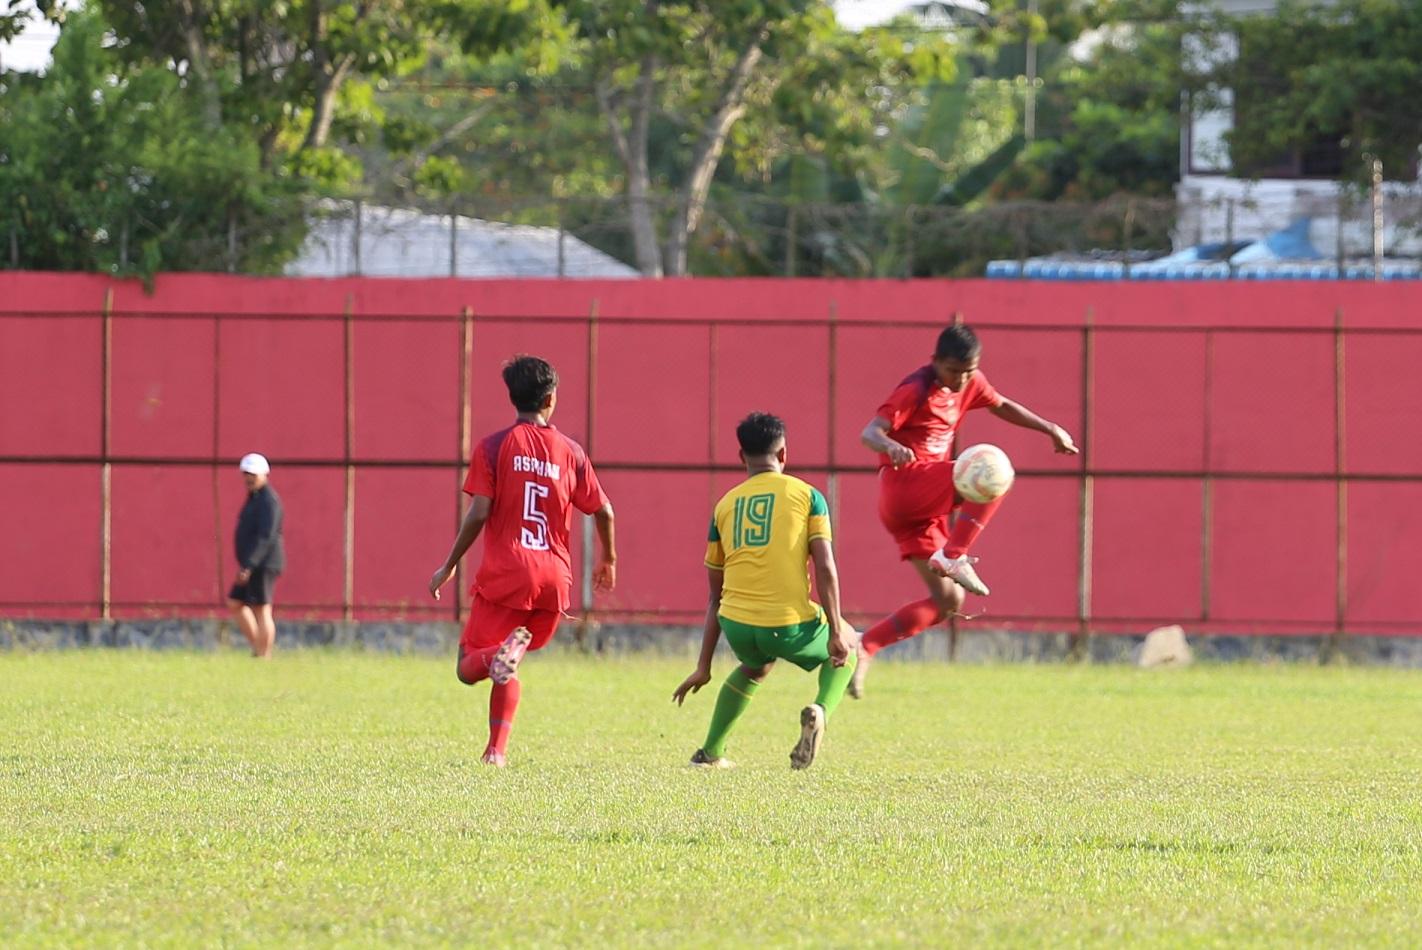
pixel 1029 111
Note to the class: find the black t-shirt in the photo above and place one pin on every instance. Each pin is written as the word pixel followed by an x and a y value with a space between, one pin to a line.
pixel 258 538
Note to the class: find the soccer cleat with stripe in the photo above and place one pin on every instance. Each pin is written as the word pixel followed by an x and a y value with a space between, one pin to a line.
pixel 812 733
pixel 960 571
pixel 701 760
pixel 496 759
pixel 505 662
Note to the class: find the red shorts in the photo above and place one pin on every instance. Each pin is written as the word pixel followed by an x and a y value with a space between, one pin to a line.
pixel 489 623
pixel 915 503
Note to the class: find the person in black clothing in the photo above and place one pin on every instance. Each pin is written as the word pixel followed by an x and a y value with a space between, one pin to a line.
pixel 260 557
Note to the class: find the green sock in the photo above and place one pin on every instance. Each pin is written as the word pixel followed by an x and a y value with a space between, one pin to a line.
pixel 833 680
pixel 733 699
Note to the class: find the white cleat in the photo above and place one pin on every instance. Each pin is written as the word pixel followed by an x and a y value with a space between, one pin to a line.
pixel 504 666
pixel 960 571
pixel 812 733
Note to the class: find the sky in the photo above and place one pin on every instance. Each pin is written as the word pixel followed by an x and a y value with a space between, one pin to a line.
pixel 856 14
pixel 30 50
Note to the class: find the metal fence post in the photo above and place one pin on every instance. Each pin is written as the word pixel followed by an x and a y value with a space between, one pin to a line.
pixel 355 239
pixel 348 575
pixel 1334 648
pixel 1078 647
pixel 1338 236
pixel 466 440
pixel 791 240
pixel 453 244
pixel 1229 235
pixel 1377 219
pixel 231 239
pixel 217 465
pixel 1127 226
pixel 562 241
pixel 588 591
pixel 1207 487
pixel 106 476
pixel 910 214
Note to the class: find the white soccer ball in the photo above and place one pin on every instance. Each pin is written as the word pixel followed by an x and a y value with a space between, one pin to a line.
pixel 983 472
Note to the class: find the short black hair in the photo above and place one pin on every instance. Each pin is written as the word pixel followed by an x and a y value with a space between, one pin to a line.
pixel 958 342
pixel 758 433
pixel 529 380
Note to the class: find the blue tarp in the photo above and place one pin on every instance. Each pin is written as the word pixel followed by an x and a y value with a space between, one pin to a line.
pixel 1283 255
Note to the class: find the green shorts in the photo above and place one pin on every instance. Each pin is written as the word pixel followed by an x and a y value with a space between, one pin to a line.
pixel 805 644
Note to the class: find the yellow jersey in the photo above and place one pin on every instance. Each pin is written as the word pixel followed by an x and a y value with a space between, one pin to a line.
pixel 760 537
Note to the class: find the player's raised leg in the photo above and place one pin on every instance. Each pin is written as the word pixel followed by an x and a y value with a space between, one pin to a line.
pixel 495 642
pixel 953 561
pixel 945 598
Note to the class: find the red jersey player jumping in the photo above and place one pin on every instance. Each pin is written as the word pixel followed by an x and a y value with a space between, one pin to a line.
pixel 525 481
pixel 913 434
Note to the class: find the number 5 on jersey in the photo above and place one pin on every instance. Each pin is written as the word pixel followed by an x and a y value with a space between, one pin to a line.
pixel 535 528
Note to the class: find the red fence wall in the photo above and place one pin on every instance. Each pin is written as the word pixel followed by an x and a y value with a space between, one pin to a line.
pixel 1251 456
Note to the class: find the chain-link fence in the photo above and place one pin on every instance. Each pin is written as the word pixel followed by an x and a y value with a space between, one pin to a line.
pixel 738 235
pixel 1335 232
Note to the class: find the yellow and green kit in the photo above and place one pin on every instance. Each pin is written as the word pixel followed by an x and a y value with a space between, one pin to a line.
pixel 760 539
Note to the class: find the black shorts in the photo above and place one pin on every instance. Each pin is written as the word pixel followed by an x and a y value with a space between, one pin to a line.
pixel 258 589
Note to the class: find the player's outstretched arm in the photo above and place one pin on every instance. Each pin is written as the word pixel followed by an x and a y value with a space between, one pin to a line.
pixel 712 632
pixel 875 438
pixel 605 574
pixel 1020 415
pixel 469 529
pixel 827 584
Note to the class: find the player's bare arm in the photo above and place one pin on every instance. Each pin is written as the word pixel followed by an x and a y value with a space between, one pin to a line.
pixel 605 574
pixel 469 529
pixel 875 437
pixel 827 584
pixel 1020 415
pixel 710 634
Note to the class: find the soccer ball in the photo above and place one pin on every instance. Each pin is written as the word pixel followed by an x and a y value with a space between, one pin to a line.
pixel 982 472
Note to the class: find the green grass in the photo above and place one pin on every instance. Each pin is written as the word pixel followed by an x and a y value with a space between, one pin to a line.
pixel 336 798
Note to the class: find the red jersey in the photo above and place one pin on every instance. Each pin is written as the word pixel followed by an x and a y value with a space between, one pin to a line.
pixel 923 414
pixel 535 476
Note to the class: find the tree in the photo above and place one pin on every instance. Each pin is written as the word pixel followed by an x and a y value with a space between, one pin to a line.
pixel 106 166
pixel 1343 76
pixel 276 70
pixel 191 133
pixel 699 66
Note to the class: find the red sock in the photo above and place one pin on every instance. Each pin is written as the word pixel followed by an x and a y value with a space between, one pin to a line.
pixel 474 665
pixel 908 621
pixel 503 703
pixel 972 518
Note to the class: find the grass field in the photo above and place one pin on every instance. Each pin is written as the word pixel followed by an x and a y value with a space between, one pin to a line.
pixel 180 799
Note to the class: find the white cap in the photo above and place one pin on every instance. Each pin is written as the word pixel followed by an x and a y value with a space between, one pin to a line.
pixel 254 464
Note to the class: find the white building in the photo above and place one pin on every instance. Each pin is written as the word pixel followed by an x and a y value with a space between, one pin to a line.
pixel 395 242
pixel 1215 205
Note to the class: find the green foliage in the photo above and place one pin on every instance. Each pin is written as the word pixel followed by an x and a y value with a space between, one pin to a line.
pixel 107 167
pixel 1343 73
pixel 1110 123
pixel 166 798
